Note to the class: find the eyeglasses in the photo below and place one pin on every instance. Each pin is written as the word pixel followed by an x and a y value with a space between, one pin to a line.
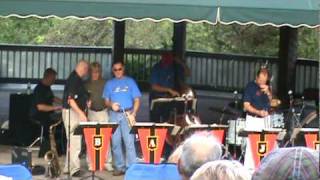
pixel 119 69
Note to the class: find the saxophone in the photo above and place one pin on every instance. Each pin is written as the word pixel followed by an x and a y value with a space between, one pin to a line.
pixel 51 156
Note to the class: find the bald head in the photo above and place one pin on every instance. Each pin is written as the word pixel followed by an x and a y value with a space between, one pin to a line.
pixel 197 150
pixel 82 68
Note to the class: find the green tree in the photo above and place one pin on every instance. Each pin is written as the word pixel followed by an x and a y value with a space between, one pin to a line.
pixel 250 39
pixel 24 31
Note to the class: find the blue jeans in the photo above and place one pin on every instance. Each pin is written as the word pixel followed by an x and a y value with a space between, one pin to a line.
pixel 122 134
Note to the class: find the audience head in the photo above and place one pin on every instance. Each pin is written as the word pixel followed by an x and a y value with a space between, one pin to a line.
pixel 197 150
pixel 221 170
pixel 82 68
pixel 295 163
pixel 49 76
pixel 175 156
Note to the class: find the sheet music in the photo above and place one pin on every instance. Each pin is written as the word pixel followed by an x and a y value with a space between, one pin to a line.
pixel 265 129
pixel 179 99
pixel 96 123
pixel 309 129
pixel 206 126
pixel 147 124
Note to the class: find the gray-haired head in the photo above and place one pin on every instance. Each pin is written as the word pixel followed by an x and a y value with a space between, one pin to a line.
pixel 197 150
pixel 221 170
pixel 296 163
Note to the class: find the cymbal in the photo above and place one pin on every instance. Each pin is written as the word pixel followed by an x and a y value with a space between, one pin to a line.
pixel 275 103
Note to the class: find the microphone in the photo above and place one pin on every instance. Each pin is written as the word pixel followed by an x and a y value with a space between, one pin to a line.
pixel 290 93
pixel 235 96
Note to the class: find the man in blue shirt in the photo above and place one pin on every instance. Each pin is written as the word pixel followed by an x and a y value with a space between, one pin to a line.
pixel 257 95
pixel 166 76
pixel 256 103
pixel 122 95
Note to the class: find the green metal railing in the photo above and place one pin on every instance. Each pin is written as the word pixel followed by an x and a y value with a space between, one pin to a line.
pixel 227 72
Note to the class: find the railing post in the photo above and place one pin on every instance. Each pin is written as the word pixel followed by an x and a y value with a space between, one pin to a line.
pixel 179 39
pixel 179 47
pixel 287 61
pixel 118 41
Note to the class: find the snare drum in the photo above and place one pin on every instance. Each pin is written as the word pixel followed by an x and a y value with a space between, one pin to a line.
pixel 234 127
pixel 277 120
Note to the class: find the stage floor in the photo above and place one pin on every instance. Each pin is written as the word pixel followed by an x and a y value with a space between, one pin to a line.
pixel 5 158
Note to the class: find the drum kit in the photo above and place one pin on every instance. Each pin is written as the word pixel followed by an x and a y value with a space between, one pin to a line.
pixel 288 120
pixel 235 136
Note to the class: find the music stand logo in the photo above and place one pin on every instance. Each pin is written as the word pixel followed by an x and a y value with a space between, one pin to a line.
pixel 152 143
pixel 97 141
pixel 262 148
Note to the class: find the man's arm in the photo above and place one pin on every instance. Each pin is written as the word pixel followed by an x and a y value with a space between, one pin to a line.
pixel 76 108
pixel 136 106
pixel 112 105
pixel 57 100
pixel 158 88
pixel 249 108
pixel 47 108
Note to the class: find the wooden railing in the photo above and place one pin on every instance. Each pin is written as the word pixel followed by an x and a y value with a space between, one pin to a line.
pixel 227 72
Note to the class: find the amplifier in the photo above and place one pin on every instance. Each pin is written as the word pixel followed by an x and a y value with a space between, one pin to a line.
pixel 21 155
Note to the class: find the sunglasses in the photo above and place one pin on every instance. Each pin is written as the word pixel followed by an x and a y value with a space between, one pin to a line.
pixel 119 69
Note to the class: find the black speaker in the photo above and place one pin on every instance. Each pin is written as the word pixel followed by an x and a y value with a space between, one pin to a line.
pixel 22 130
pixel 21 155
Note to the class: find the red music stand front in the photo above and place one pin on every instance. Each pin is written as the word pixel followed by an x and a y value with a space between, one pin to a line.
pixel 218 131
pixel 152 137
pixel 262 142
pixel 97 137
pixel 312 138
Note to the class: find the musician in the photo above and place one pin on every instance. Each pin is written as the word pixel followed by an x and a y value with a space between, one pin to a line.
pixel 43 109
pixel 256 98
pixel 165 77
pixel 256 103
pixel 122 96
pixel 97 111
pixel 75 101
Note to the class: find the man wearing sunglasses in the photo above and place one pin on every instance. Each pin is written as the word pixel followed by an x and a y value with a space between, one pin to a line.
pixel 122 96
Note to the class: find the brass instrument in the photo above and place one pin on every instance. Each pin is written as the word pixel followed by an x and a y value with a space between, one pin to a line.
pixel 51 156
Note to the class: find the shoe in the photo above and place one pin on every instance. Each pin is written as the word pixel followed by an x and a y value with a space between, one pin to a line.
pixel 117 173
pixel 109 167
pixel 78 173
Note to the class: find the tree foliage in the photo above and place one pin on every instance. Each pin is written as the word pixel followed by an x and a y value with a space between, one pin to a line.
pixel 250 39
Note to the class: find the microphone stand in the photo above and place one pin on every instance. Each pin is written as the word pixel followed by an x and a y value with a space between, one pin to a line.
pixel 235 126
pixel 69 135
pixel 294 120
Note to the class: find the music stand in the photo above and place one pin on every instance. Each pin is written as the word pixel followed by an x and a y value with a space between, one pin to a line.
pixel 97 136
pixel 152 137
pixel 262 142
pixel 312 138
pixel 175 99
pixel 219 131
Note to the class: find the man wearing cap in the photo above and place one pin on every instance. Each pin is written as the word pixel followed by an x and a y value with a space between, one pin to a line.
pixel 122 96
pixel 165 77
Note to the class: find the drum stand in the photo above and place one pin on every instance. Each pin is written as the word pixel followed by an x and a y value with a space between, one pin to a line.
pixel 295 121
